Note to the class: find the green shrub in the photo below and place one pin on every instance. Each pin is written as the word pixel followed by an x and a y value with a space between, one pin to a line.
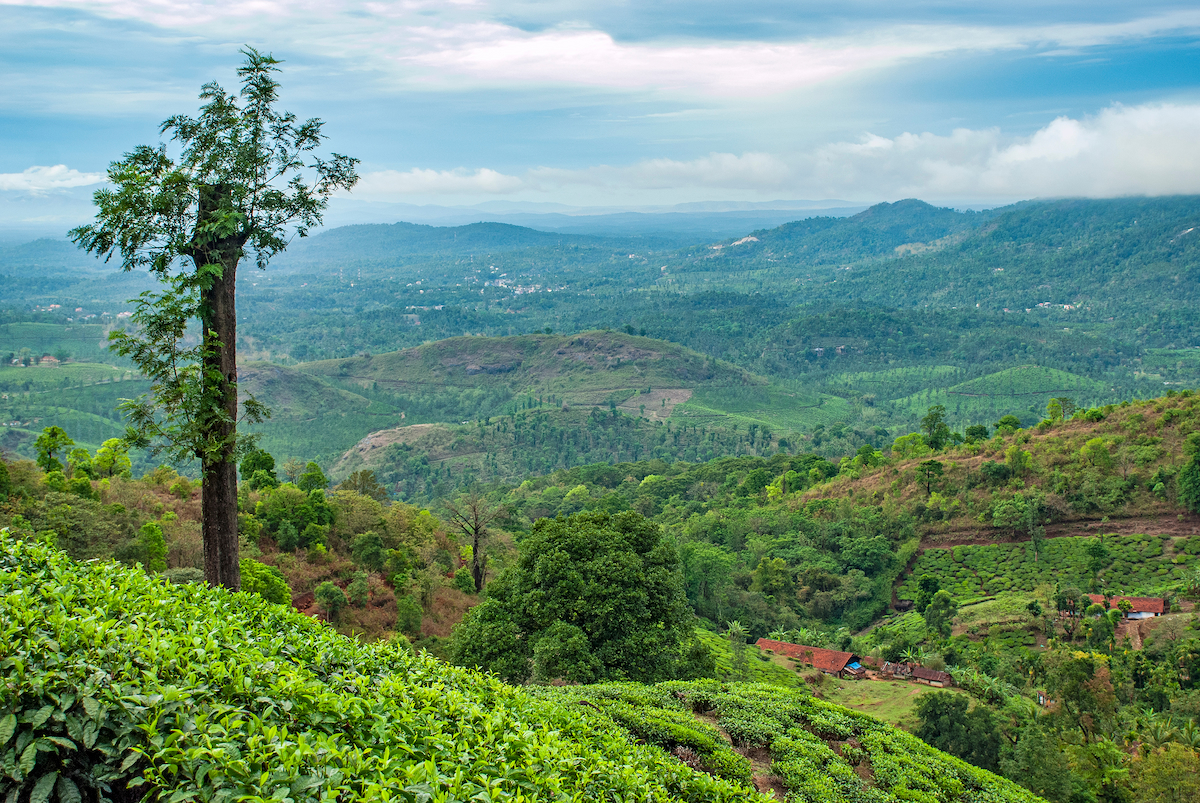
pixel 330 599
pixel 359 590
pixel 408 616
pixel 464 582
pixel 266 581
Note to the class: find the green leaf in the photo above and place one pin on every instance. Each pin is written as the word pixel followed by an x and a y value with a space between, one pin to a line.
pixel 42 715
pixel 8 726
pixel 43 788
pixel 130 760
pixel 28 758
pixel 91 706
pixel 68 792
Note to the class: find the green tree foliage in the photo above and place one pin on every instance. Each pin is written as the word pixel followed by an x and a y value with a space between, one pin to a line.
pixel 240 184
pixel 408 616
pixel 737 642
pixel 928 585
pixel 288 504
pixel 908 447
pixel 359 590
pixel 1017 459
pixel 564 652
pixel 613 577
pixel 52 441
pixel 257 460
pixel 266 581
pixel 1038 763
pixel 1167 775
pixel 6 485
pixel 933 424
pixel 154 545
pixel 331 599
pixel 79 464
pixel 262 479
pixel 1007 425
pixel 1010 513
pixel 939 616
pixel 112 459
pixel 366 483
pixel 1097 454
pixel 976 433
pixel 930 470
pixel 1082 685
pixel 1059 408
pixel 368 551
pixel 1188 479
pixel 947 724
pixel 312 479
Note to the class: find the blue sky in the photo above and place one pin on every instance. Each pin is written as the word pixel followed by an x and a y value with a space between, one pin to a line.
pixel 631 104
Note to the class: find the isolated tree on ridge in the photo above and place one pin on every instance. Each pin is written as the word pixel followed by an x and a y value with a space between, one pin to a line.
pixel 245 180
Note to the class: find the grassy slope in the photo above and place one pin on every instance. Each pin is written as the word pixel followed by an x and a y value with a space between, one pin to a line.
pixel 893 701
pixel 583 369
pixel 87 640
pixel 1140 438
pixel 652 381
pixel 1023 390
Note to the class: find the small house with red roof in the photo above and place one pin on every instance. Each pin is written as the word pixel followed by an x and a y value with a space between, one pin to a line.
pixel 1139 607
pixel 831 662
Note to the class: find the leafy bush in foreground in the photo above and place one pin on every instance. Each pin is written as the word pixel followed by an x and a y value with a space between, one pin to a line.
pixel 119 686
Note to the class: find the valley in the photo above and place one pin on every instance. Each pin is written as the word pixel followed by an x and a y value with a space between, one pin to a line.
pixel 929 482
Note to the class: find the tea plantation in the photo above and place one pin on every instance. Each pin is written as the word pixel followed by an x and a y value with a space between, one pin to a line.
pixel 1138 565
pixel 121 687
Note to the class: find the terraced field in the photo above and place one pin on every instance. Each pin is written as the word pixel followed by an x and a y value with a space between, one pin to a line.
pixel 1139 565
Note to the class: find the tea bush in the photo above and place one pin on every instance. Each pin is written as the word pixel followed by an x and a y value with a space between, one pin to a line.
pixel 119 685
pixel 1137 564
pixel 804 736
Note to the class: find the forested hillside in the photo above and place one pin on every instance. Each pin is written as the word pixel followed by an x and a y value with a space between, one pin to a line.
pixel 859 323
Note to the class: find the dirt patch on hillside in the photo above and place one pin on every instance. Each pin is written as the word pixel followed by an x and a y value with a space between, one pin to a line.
pixel 386 437
pixel 656 405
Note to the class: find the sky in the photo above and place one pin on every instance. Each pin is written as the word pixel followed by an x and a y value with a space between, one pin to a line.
pixel 635 104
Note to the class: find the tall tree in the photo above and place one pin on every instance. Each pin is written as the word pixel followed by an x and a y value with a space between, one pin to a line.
pixel 52 439
pixel 930 470
pixel 472 514
pixel 245 180
pixel 937 431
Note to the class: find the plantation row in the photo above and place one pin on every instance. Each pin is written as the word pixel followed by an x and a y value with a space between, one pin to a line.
pixel 1138 565
pixel 822 752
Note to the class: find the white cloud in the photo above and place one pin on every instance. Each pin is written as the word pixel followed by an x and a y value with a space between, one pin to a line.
pixel 491 54
pixel 722 170
pixel 41 178
pixel 1123 150
pixel 419 181
pixel 440 45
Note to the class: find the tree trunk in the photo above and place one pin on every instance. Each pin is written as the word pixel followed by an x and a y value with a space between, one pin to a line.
pixel 219 408
pixel 478 558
